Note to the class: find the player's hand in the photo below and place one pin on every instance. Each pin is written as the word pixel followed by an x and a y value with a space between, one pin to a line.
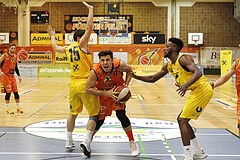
pixel 212 84
pixel 20 79
pixel 181 89
pixel 112 94
pixel 1 73
pixel 87 5
pixel 50 30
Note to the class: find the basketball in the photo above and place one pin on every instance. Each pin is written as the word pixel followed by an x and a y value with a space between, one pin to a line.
pixel 22 55
pixel 124 94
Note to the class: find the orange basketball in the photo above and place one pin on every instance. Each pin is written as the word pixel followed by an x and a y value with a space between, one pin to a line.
pixel 22 55
pixel 124 94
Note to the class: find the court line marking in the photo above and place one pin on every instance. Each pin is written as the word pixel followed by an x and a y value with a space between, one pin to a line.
pixel 47 104
pixel 107 154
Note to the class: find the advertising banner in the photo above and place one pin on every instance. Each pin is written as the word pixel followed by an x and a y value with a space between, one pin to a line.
pixel 44 38
pixel 28 69
pixel 210 56
pixel 61 58
pixel 115 40
pixel 38 56
pixel 75 22
pixel 225 61
pixel 153 38
pixel 118 55
pixel 69 38
pixel 58 70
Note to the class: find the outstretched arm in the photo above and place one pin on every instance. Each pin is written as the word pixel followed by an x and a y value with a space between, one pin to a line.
pixel 124 67
pixel 152 78
pixel 225 77
pixel 56 48
pixel 85 38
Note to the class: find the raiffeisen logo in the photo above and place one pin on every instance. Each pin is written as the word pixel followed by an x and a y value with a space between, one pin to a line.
pixel 111 130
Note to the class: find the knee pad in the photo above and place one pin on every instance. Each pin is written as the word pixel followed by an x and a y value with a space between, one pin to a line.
pixel 121 115
pixel 94 118
pixel 7 96
pixel 99 124
pixel 16 95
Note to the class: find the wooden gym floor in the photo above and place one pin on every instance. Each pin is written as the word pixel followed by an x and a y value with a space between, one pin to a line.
pixel 45 101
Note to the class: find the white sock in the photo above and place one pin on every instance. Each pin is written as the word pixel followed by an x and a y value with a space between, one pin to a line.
pixel 89 135
pixel 196 145
pixel 7 105
pixel 17 105
pixel 69 136
pixel 187 152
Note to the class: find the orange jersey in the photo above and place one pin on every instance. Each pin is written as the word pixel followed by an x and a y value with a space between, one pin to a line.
pixel 107 81
pixel 9 64
pixel 237 72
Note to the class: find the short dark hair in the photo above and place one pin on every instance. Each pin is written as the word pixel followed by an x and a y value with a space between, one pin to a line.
pixel 78 33
pixel 12 44
pixel 177 41
pixel 105 53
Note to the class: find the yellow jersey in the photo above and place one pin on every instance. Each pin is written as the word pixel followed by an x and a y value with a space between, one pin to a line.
pixel 80 62
pixel 182 76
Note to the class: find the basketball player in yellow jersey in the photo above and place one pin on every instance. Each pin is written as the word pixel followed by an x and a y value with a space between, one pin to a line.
pixel 80 62
pixel 188 77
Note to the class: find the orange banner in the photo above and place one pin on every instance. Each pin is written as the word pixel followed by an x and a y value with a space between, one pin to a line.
pixel 138 54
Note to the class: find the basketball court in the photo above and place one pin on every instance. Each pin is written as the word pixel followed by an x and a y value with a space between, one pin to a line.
pixel 39 133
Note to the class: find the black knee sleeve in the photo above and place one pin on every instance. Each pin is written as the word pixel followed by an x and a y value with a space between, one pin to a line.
pixel 7 96
pixel 16 95
pixel 99 124
pixel 121 115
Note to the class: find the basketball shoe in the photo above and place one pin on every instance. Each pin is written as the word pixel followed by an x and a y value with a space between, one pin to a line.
pixel 200 155
pixel 69 145
pixel 19 110
pixel 9 111
pixel 85 147
pixel 134 148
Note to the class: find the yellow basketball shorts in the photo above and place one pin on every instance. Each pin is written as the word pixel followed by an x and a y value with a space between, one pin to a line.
pixel 197 101
pixel 78 98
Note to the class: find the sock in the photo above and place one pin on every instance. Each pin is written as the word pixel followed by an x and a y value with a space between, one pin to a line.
pixel 130 135
pixel 69 136
pixel 197 148
pixel 187 152
pixel 89 136
pixel 17 105
pixel 7 105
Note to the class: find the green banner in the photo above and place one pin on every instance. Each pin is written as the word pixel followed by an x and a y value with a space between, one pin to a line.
pixel 54 70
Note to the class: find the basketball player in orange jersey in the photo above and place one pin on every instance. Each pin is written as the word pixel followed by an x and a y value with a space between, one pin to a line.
pixel 105 76
pixel 8 64
pixel 235 69
pixel 80 64
pixel 188 77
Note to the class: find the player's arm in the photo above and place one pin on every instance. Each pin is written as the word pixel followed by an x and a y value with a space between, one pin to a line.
pixel 152 78
pixel 56 48
pixel 18 73
pixel 124 67
pixel 225 77
pixel 85 38
pixel 90 87
pixel 1 61
pixel 187 63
